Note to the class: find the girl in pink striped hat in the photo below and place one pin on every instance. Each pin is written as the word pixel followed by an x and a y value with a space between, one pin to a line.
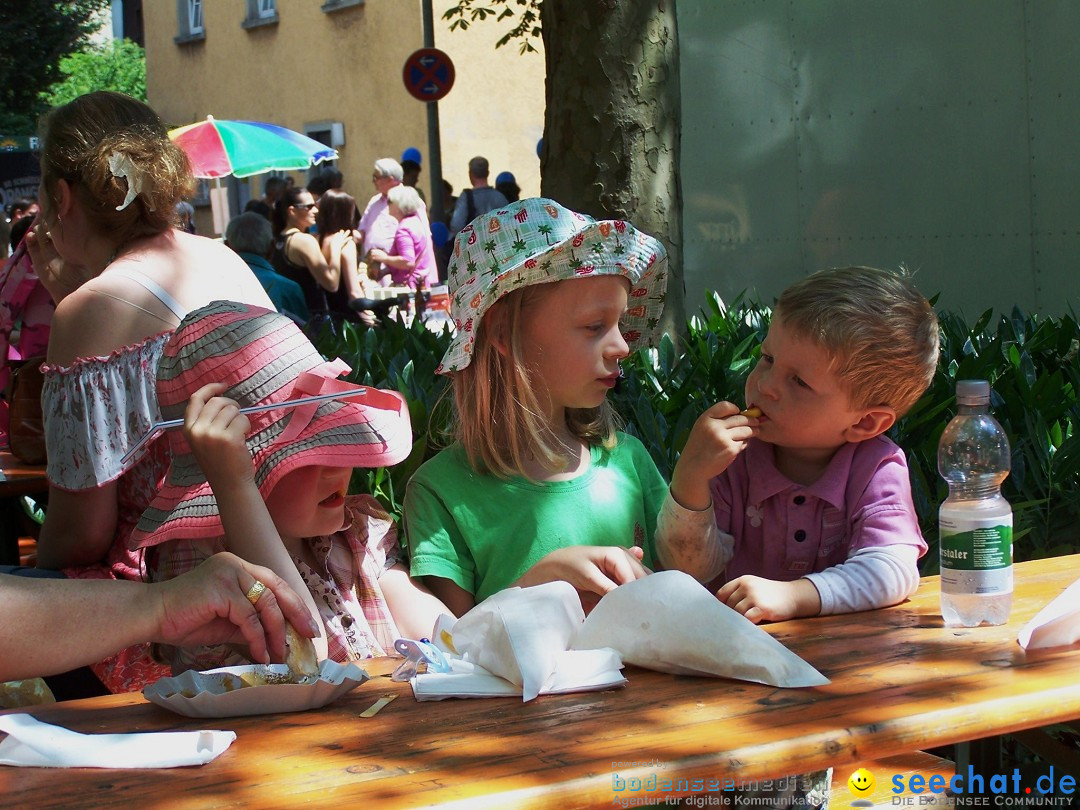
pixel 272 486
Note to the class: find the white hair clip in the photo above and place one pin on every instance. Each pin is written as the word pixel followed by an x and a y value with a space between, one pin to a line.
pixel 121 166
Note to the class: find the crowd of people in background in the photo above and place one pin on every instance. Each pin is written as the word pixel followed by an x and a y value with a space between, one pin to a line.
pixel 393 244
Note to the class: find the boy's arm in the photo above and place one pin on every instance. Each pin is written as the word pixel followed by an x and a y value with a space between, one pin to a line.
pixel 870 578
pixel 686 536
pixel 881 568
pixel 688 540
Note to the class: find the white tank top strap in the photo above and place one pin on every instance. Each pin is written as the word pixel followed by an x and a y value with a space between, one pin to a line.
pixel 153 288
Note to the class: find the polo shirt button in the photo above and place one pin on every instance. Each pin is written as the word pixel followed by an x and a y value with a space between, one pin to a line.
pixel 799 500
pixel 800 535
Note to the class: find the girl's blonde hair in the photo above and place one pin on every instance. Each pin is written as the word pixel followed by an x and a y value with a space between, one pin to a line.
pixel 80 137
pixel 500 420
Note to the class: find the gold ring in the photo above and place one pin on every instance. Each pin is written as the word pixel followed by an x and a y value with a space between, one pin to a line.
pixel 255 591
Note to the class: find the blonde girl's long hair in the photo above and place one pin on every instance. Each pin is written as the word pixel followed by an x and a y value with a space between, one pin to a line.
pixel 500 420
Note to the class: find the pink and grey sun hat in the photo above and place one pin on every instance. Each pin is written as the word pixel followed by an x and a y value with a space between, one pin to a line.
pixel 263 358
pixel 536 241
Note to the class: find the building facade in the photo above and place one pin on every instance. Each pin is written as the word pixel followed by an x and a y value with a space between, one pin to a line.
pixel 333 68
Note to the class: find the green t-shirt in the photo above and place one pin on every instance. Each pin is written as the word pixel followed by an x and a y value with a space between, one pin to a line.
pixel 483 532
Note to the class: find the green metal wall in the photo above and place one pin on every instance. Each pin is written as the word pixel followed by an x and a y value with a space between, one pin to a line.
pixel 938 134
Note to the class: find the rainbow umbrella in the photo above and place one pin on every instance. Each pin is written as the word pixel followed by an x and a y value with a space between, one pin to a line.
pixel 243 148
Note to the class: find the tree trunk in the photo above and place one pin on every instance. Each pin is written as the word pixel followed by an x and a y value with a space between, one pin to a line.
pixel 611 132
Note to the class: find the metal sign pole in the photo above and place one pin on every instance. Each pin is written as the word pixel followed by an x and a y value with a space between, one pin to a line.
pixel 434 150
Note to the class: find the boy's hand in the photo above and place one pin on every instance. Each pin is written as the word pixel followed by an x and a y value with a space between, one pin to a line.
pixel 215 429
pixel 760 599
pixel 718 436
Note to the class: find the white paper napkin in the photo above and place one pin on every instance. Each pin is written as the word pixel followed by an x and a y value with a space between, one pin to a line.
pixel 1057 624
pixel 31 742
pixel 516 642
pixel 575 671
pixel 670 622
pixel 518 633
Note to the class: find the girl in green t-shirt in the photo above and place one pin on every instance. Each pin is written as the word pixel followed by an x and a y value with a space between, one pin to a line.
pixel 538 485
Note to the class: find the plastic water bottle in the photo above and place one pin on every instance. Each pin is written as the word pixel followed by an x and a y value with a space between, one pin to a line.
pixel 975 522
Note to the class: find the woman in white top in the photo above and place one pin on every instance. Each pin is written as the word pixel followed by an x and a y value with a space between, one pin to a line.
pixel 122 277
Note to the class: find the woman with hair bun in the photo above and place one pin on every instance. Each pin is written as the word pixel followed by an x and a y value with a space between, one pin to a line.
pixel 122 277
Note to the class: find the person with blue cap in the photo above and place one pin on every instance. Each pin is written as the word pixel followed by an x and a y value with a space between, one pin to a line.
pixel 507 184
pixel 410 167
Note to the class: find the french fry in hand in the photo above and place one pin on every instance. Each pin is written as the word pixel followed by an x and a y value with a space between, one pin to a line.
pixel 753 413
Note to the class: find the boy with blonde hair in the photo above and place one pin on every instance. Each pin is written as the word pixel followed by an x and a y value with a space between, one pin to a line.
pixel 800 502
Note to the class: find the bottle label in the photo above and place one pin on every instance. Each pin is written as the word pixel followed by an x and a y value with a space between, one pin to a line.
pixel 975 545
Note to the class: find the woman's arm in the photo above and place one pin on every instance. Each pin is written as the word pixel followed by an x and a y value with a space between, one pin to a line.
pixel 303 248
pixel 404 252
pixel 79 527
pixel 79 621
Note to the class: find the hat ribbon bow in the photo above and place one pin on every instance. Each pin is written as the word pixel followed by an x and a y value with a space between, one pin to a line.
pixel 323 379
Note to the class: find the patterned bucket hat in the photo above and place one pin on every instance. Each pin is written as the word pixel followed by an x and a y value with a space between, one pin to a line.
pixel 536 241
pixel 263 358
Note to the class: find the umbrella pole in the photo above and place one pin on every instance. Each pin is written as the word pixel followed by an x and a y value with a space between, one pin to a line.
pixel 219 206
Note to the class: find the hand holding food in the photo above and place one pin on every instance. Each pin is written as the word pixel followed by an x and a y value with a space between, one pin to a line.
pixel 301 657
pixel 717 438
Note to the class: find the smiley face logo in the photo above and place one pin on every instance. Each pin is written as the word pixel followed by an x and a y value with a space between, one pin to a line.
pixel 861 783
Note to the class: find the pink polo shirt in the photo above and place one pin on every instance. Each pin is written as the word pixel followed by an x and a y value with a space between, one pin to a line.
pixel 784 531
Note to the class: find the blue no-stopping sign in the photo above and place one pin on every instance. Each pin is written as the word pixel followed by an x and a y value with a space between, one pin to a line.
pixel 428 74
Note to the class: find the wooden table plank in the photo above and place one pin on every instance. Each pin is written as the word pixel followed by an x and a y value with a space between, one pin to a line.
pixel 901 681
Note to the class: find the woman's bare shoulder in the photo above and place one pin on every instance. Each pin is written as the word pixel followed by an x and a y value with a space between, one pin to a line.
pixel 305 245
pixel 91 322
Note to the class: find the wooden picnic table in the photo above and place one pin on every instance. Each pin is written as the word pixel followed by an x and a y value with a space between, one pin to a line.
pixel 901 681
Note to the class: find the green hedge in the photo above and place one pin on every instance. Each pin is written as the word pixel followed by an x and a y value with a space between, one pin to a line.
pixel 1031 362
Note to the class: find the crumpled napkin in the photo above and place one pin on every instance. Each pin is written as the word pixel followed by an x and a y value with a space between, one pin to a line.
pixel 575 671
pixel 1057 624
pixel 516 642
pixel 34 743
pixel 670 622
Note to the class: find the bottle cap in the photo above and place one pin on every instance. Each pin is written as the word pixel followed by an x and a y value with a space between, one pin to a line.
pixel 972 392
